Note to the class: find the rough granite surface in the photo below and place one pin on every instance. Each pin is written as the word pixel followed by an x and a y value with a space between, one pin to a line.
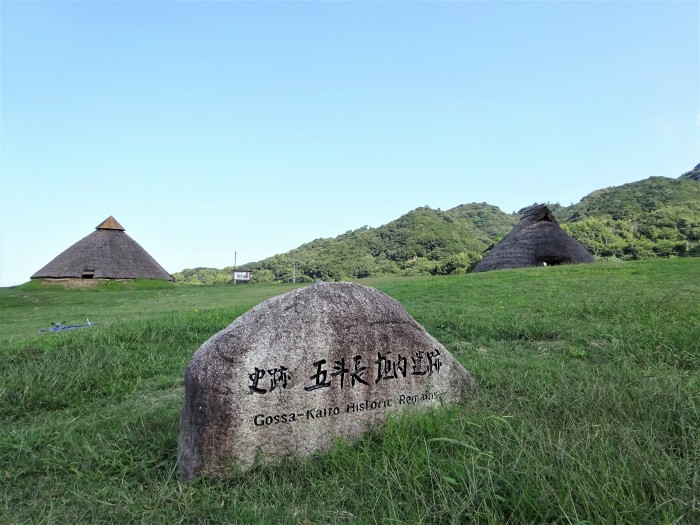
pixel 287 377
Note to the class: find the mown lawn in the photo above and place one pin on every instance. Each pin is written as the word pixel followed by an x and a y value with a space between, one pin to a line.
pixel 588 408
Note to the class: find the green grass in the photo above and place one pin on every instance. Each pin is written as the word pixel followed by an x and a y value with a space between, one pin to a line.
pixel 588 410
pixel 26 309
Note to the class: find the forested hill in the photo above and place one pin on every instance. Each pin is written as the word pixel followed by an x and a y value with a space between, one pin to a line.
pixel 656 217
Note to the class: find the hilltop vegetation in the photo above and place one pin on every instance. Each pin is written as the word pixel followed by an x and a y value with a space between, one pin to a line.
pixel 656 217
pixel 423 241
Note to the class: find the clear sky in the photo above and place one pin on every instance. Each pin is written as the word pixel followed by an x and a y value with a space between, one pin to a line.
pixel 208 128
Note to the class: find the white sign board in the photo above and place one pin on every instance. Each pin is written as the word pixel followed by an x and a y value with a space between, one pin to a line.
pixel 242 276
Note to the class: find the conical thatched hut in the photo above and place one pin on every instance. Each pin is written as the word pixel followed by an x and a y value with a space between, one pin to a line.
pixel 537 240
pixel 107 253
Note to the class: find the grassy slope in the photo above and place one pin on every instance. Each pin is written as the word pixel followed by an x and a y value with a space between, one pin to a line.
pixel 589 407
pixel 26 309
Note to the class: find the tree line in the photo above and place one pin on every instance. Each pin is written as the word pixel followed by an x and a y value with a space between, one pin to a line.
pixel 656 217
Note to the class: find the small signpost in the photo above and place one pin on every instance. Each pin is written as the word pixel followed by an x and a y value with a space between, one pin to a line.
pixel 241 276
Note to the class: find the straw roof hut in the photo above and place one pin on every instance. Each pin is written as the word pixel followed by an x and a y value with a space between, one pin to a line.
pixel 537 240
pixel 107 253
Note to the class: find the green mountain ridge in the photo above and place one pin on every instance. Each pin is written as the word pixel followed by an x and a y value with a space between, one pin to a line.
pixel 655 217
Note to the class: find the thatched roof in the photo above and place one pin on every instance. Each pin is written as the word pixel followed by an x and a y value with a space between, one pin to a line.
pixel 536 240
pixel 107 253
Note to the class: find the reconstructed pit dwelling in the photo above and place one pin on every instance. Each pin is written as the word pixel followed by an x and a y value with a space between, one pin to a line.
pixel 107 253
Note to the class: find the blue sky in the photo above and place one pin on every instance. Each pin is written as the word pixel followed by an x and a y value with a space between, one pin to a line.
pixel 208 128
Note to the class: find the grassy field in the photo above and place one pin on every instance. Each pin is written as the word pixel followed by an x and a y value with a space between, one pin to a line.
pixel 589 406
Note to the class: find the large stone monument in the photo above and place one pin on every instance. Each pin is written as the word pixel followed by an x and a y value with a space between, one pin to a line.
pixel 287 377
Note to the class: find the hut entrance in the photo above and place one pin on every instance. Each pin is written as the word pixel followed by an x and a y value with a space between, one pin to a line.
pixel 554 261
pixel 88 274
